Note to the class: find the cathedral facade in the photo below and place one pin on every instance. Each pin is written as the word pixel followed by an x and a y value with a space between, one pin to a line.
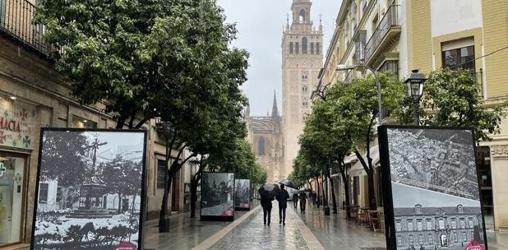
pixel 274 138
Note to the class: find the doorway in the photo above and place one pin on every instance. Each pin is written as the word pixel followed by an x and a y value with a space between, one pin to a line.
pixel 12 197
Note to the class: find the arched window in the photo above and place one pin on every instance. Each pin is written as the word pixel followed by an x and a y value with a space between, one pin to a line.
pixel 291 48
pixel 312 48
pixel 301 17
pixel 261 146
pixel 460 209
pixel 304 45
pixel 297 48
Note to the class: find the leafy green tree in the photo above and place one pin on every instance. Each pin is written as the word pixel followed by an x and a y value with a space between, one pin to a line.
pixel 451 98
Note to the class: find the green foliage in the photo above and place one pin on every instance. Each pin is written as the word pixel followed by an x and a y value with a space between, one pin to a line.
pixel 451 98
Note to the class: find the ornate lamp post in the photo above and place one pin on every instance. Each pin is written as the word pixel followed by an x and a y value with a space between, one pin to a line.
pixel 415 84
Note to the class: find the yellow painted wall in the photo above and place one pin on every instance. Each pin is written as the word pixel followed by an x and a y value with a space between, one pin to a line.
pixel 419 35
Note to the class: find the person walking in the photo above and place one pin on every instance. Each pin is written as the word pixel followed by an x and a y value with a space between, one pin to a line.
pixel 282 198
pixel 303 200
pixel 295 200
pixel 266 203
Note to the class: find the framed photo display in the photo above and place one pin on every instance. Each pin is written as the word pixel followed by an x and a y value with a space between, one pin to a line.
pixel 217 196
pixel 242 194
pixel 90 189
pixel 430 189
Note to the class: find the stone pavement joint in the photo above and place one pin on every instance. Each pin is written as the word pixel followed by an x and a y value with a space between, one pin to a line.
pixel 208 243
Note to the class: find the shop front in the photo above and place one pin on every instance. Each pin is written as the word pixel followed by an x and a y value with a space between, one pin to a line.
pixel 16 144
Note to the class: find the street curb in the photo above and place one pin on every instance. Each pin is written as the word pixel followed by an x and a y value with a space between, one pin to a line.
pixel 208 243
pixel 309 237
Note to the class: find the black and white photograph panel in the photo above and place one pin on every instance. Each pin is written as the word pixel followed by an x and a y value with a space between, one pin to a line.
pixel 90 186
pixel 435 190
pixel 217 194
pixel 242 194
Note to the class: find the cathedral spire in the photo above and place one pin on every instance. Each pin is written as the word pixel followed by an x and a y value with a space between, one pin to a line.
pixel 275 110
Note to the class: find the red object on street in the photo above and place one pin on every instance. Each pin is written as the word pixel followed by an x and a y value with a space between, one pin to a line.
pixel 125 245
pixel 474 245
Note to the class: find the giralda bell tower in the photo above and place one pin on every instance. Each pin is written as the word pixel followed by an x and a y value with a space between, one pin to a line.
pixel 302 58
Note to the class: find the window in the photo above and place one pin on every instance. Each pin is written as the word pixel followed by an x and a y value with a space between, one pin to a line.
pixel 462 223
pixel 431 239
pixel 419 225
pixel 410 225
pixel 304 45
pixel 471 223
pixel 454 223
pixel 297 48
pixel 420 239
pixel 464 236
pixel 291 48
pixel 43 193
pixel 455 238
pixel 441 224
pixel 429 224
pixel 390 66
pixel 460 209
pixel 456 57
pixel 398 226
pixel 411 239
pixel 418 209
pixel 301 17
pixel 317 49
pixel 305 89
pixel 261 146
pixel 312 48
pixel 162 167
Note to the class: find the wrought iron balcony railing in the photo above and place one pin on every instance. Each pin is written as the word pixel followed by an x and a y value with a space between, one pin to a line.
pixel 389 21
pixel 17 22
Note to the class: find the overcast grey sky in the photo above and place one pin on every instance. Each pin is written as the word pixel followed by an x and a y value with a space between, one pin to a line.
pixel 259 24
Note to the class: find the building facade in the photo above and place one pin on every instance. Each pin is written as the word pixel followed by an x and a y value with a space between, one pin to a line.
pixel 33 96
pixel 399 36
pixel 302 58
pixel 265 137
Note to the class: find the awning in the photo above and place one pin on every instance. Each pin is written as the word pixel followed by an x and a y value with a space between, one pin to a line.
pixel 357 169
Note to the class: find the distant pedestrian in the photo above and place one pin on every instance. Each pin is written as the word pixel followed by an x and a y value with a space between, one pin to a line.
pixel 282 198
pixel 266 202
pixel 303 200
pixel 295 200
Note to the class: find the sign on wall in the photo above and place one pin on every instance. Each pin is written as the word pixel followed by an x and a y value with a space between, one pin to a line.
pixel 431 191
pixel 242 194
pixel 217 196
pixel 17 121
pixel 89 189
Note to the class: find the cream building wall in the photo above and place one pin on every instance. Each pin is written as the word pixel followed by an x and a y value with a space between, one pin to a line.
pixel 423 29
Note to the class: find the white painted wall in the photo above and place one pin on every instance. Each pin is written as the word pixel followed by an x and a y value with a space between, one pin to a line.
pixel 403 42
pixel 449 16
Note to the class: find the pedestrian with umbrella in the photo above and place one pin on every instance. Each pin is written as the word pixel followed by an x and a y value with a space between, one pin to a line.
pixel 303 200
pixel 266 193
pixel 282 198
pixel 295 200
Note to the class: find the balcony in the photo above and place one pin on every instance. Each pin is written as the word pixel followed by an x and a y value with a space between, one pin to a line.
pixel 17 23
pixel 385 33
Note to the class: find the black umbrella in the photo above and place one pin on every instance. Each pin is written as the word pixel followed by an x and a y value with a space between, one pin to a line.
pixel 288 183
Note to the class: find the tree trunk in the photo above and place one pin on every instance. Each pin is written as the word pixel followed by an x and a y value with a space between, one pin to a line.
pixel 163 221
pixel 119 203
pixel 345 180
pixel 334 201
pixel 193 197
pixel 318 199
pixel 324 200
pixel 372 191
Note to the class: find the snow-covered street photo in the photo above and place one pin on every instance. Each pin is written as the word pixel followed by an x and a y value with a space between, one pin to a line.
pixel 90 186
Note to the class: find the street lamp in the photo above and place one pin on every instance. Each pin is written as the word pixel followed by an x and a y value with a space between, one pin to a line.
pixel 415 84
pixel 342 67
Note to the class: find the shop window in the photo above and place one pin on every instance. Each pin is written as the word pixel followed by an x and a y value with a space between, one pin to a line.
pixel 161 171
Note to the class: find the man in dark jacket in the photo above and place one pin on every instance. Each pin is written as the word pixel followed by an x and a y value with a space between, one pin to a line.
pixel 266 203
pixel 282 198
pixel 295 200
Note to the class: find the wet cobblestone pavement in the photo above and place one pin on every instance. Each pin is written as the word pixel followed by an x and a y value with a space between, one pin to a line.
pixel 252 234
